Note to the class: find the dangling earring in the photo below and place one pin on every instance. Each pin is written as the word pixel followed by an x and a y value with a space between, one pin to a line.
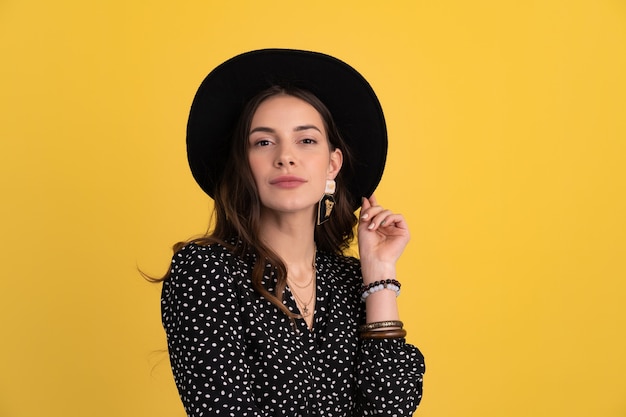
pixel 327 202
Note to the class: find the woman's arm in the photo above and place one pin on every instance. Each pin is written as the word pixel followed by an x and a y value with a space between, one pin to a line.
pixel 204 332
pixel 390 371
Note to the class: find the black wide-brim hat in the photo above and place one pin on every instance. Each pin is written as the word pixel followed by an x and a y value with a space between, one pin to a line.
pixel 350 99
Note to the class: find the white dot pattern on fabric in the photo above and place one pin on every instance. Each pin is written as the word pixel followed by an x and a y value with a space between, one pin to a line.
pixel 233 353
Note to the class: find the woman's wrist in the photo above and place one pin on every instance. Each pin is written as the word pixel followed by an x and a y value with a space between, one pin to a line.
pixel 377 271
pixel 381 306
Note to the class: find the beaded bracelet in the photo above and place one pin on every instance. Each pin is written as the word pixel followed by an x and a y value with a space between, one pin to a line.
pixel 391 284
pixel 380 325
pixel 383 334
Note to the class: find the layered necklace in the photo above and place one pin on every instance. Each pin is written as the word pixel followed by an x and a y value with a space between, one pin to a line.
pixel 304 306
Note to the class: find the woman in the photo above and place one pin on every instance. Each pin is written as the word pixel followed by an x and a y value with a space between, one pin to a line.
pixel 265 316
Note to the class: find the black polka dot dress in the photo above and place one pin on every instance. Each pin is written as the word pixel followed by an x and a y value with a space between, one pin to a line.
pixel 233 353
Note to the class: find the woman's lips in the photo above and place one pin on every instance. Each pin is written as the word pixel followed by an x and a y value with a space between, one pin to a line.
pixel 287 181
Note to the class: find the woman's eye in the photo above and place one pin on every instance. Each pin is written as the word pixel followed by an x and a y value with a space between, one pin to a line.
pixel 262 142
pixel 308 141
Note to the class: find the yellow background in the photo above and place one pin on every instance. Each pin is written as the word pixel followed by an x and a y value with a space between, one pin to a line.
pixel 507 124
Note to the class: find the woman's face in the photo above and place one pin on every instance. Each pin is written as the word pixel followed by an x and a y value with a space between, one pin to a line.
pixel 289 155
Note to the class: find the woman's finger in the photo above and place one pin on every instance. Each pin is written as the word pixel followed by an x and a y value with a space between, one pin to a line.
pixel 379 218
pixel 371 212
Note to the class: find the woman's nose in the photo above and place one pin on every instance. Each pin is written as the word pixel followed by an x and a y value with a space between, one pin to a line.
pixel 285 158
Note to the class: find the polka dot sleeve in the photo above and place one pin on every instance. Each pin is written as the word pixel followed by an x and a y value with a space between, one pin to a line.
pixel 204 332
pixel 390 376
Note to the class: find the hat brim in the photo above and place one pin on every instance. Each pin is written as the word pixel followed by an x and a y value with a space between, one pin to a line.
pixel 350 99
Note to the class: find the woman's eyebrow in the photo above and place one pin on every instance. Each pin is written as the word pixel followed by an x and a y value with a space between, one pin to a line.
pixel 262 129
pixel 306 127
pixel 295 129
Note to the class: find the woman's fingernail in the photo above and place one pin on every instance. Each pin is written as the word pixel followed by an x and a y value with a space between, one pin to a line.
pixel 364 216
pixel 371 226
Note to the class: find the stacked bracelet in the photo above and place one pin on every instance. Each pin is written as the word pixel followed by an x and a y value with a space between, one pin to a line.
pixel 390 284
pixel 391 329
pixel 380 325
pixel 383 334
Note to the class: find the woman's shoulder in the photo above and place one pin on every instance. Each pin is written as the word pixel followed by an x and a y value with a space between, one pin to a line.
pixel 203 277
pixel 207 250
pixel 213 258
pixel 193 251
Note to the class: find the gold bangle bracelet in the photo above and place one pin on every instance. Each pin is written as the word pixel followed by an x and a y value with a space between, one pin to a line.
pixel 380 325
pixel 383 334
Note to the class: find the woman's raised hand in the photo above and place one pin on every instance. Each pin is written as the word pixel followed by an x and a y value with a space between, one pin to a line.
pixel 382 236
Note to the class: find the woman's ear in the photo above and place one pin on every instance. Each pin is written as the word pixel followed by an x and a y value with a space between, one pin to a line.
pixel 336 161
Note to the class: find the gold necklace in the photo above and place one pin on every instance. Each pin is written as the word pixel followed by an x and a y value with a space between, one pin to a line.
pixel 305 306
pixel 313 275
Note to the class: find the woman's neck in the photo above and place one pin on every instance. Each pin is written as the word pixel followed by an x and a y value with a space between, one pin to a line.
pixel 291 238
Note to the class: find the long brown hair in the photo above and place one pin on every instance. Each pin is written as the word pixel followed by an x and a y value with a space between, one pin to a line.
pixel 237 207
